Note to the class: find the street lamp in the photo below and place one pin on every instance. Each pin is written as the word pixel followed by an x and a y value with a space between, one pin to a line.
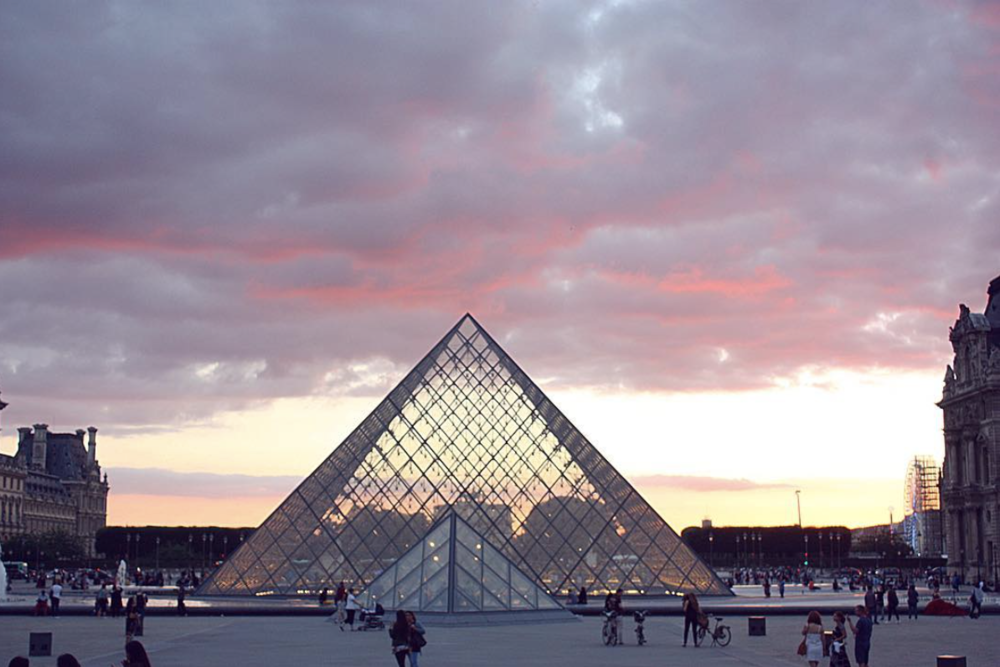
pixel 806 559
pixel 157 552
pixel 211 547
pixel 760 549
pixel 711 550
pixel 737 550
pixel 204 540
pixel 225 547
pixel 190 540
pixel 838 550
pixel 137 536
pixel 746 550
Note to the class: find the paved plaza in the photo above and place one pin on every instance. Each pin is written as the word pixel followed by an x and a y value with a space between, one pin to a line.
pixel 313 641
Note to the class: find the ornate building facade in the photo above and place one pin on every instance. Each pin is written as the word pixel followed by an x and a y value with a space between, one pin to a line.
pixel 53 483
pixel 970 493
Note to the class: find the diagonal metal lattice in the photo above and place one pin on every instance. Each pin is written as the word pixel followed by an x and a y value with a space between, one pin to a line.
pixel 466 431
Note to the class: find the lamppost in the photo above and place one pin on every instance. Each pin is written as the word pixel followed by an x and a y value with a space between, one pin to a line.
pixel 211 547
pixel 711 550
pixel 204 540
pixel 806 559
pixel 128 547
pixel 760 549
pixel 746 550
pixel 737 550
pixel 190 540
pixel 157 552
pixel 137 537
pixel 225 547
pixel 819 539
pixel 838 550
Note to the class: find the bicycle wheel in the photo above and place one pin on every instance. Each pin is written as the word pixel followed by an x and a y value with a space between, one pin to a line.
pixel 607 634
pixel 699 635
pixel 723 635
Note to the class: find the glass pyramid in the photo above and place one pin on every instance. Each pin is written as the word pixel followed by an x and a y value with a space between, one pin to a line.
pixel 466 431
pixel 454 569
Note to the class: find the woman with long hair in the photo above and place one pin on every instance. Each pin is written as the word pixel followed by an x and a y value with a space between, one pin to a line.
pixel 135 655
pixel 691 612
pixel 812 632
pixel 399 633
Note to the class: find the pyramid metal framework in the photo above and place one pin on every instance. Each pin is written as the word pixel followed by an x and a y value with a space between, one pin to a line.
pixel 466 431
pixel 455 570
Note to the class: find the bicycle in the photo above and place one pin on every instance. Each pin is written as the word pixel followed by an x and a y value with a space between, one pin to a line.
pixel 721 634
pixel 640 634
pixel 610 630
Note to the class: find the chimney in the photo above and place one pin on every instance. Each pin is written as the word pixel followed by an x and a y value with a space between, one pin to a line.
pixel 40 447
pixel 92 446
pixel 23 441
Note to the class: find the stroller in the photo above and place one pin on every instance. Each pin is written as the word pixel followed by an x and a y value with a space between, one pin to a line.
pixel 371 619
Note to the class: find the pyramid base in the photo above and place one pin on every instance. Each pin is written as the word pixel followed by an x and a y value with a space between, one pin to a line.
pixel 481 619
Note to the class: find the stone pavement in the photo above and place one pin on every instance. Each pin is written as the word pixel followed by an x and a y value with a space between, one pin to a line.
pixel 269 641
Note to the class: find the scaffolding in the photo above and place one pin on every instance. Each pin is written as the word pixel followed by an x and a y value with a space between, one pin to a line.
pixel 922 522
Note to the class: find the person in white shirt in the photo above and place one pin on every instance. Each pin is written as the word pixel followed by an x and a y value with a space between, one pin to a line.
pixel 352 607
pixel 55 595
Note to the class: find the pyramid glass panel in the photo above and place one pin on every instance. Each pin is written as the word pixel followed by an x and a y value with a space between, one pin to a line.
pixel 457 576
pixel 466 432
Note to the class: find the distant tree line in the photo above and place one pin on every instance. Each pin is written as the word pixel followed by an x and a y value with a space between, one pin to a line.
pixel 54 549
pixel 822 546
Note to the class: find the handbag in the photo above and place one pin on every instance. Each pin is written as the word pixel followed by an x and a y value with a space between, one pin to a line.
pixel 802 647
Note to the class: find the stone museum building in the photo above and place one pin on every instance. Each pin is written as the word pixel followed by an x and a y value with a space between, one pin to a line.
pixel 971 405
pixel 53 483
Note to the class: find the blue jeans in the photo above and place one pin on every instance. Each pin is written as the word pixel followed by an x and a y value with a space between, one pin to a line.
pixel 414 658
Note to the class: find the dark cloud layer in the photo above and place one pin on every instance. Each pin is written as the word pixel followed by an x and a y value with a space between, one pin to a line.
pixel 206 205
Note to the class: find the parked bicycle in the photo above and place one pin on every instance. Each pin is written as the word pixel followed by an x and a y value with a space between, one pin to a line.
pixel 721 635
pixel 610 630
pixel 640 634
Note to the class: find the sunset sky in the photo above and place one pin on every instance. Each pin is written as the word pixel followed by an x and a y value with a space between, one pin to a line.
pixel 727 239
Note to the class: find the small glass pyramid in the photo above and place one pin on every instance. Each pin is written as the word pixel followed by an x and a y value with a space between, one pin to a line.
pixel 454 569
pixel 468 432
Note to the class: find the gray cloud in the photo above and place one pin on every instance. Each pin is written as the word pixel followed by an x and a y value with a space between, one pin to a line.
pixel 160 482
pixel 204 207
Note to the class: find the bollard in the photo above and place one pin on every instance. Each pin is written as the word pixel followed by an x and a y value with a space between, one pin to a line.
pixel 951 661
pixel 757 626
pixel 39 644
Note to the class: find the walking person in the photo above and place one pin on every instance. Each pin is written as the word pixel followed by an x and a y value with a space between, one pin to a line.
pixel 880 602
pixel 399 634
pixel 912 598
pixel 692 610
pixel 583 595
pixel 893 605
pixel 340 599
pixel 812 633
pixel 838 642
pixel 862 635
pixel 975 601
pixel 181 594
pixel 417 638
pixel 116 601
pixel 781 587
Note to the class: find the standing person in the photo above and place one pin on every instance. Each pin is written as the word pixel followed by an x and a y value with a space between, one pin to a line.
pixel 323 595
pixel 893 605
pixel 140 610
pixel 55 595
pixel 767 587
pixel 812 631
pixel 976 601
pixel 838 645
pixel 352 607
pixel 116 601
pixel 691 612
pixel 619 610
pixel 781 586
pixel 67 660
pixel 417 640
pixel 862 635
pixel 102 601
pixel 135 655
pixel 399 634
pixel 181 594
pixel 880 602
pixel 583 595
pixel 131 619
pixel 42 604
pixel 870 602
pixel 340 599
pixel 912 598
